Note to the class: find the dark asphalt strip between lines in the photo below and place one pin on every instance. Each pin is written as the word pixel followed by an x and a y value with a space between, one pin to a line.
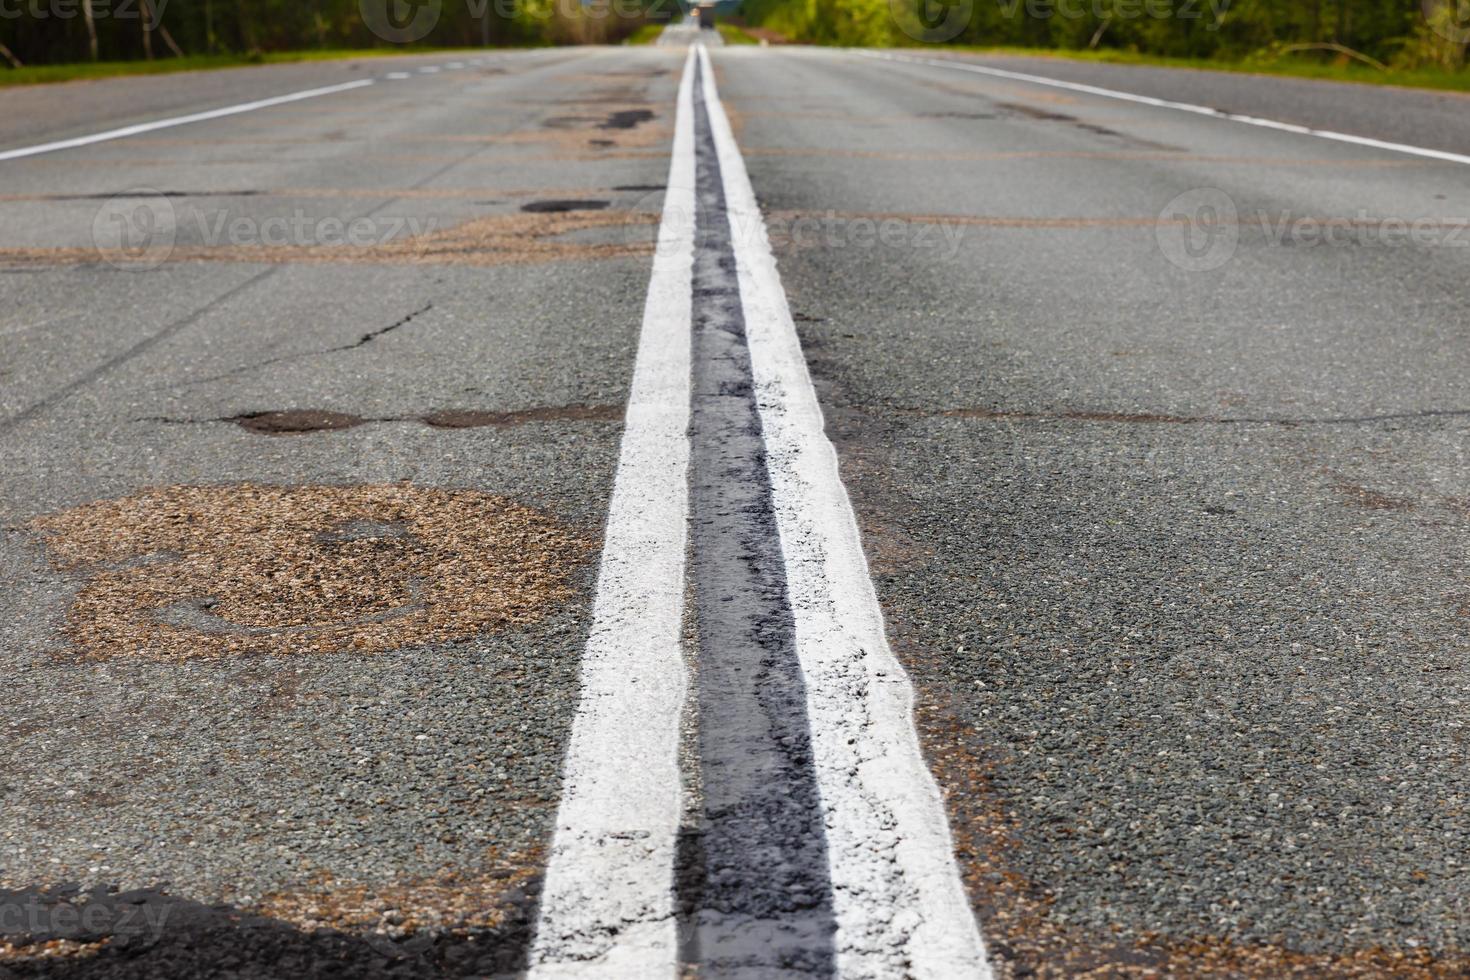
pixel 760 897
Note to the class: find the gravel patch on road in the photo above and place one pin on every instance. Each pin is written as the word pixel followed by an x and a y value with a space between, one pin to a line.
pixel 187 572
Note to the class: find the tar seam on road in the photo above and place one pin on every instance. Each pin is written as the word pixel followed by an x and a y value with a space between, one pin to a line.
pixel 1200 110
pixel 901 907
pixel 607 906
pixel 756 897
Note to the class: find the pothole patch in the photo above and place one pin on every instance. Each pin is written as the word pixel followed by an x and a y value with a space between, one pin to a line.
pixel 626 119
pixel 561 205
pixel 184 572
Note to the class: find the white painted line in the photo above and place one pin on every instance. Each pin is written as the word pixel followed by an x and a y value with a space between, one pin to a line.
pixel 607 907
pixel 454 65
pixel 148 127
pixel 1107 93
pixel 900 905
pixel 395 75
pixel 428 69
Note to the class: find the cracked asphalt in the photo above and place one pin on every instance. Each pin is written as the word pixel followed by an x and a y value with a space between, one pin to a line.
pixel 318 812
pixel 1166 506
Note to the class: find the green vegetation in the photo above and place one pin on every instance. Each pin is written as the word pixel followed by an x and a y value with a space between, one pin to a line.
pixel 1420 43
pixel 1454 80
pixel 645 34
pixel 1406 42
pixel 734 35
pixel 46 40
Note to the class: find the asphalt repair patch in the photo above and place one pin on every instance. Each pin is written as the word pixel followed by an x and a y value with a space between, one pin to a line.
pixel 189 571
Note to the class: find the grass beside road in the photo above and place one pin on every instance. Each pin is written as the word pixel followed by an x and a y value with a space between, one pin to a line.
pixel 646 34
pixel 734 35
pixel 80 71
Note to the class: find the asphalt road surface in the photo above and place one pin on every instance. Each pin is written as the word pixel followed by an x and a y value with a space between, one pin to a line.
pixel 424 552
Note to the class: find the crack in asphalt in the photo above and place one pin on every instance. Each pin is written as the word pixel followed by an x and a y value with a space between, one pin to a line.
pixel 141 347
pixel 373 335
pixel 153 339
pixel 362 341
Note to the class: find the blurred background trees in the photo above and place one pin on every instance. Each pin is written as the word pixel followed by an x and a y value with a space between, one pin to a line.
pixel 1399 33
pixel 1394 33
pixel 39 32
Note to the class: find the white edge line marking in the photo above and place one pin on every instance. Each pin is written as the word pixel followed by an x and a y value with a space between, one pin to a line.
pixel 1201 110
pixel 396 75
pixel 607 906
pixel 897 892
pixel 148 127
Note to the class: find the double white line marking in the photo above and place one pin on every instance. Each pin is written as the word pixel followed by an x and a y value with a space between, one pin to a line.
pixel 607 907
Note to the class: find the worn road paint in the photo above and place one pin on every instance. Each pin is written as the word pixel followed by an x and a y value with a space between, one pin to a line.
pixel 607 904
pixel 1201 110
pixel 900 905
pixel 193 117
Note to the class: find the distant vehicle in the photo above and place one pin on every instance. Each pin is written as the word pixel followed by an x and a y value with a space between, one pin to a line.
pixel 706 16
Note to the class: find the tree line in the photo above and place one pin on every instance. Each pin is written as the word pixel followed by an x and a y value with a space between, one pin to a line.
pixel 39 32
pixel 1407 33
